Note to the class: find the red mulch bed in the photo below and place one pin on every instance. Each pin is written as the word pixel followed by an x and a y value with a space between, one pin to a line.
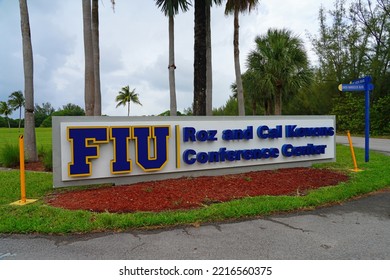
pixel 188 193
pixel 34 166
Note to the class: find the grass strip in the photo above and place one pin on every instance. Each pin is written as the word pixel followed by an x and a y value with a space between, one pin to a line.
pixel 41 218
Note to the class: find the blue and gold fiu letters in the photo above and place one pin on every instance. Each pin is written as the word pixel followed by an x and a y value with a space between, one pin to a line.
pixel 151 148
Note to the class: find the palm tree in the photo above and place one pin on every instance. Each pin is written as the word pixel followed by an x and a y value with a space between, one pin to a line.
pixel 89 75
pixel 125 96
pixel 29 121
pixel 97 109
pixel 281 64
pixel 16 101
pixel 199 105
pixel 171 8
pixel 235 7
pixel 5 110
pixel 256 93
pixel 209 68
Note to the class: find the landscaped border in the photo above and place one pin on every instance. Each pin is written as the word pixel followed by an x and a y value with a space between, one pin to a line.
pixel 41 218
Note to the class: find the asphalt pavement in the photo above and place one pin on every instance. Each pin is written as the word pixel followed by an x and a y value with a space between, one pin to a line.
pixel 378 145
pixel 356 229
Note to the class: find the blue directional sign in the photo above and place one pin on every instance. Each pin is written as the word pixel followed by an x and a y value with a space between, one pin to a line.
pixel 352 87
pixel 362 84
pixel 364 80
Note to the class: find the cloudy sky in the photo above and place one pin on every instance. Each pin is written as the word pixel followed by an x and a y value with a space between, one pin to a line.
pixel 134 49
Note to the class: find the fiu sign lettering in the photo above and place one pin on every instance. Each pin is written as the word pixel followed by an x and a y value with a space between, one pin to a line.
pixel 86 141
pixel 109 148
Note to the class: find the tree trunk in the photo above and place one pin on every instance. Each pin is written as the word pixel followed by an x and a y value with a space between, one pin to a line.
pixel 89 83
pixel 278 101
pixel 172 67
pixel 28 65
pixel 268 107
pixel 237 68
pixel 20 119
pixel 96 58
pixel 200 59
pixel 209 67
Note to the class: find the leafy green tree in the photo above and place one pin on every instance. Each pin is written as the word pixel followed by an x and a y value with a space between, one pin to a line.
pixel 341 47
pixel 171 8
pixel 28 65
pixel 380 116
pixel 69 109
pixel 125 96
pixel 229 109
pixel 168 113
pixel 353 43
pixel 281 65
pixel 3 122
pixel 16 101
pixel 236 7
pixel 349 111
pixel 188 111
pixel 258 98
pixel 5 110
pixel 374 22
pixel 253 94
pixel 42 112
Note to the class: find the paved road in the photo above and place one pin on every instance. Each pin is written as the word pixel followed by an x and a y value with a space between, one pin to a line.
pixel 358 229
pixel 379 145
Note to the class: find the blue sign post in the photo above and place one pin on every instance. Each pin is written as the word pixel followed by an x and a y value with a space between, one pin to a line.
pixel 362 84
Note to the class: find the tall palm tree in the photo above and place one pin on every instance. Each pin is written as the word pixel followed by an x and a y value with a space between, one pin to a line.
pixel 209 68
pixel 5 110
pixel 282 61
pixel 29 121
pixel 171 8
pixel 89 75
pixel 125 96
pixel 200 50
pixel 97 109
pixel 16 101
pixel 236 7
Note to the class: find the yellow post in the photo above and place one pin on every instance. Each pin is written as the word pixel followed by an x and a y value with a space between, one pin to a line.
pixel 22 174
pixel 356 169
pixel 23 200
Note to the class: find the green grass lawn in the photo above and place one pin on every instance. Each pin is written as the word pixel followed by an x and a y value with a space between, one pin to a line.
pixel 11 136
pixel 9 142
pixel 42 218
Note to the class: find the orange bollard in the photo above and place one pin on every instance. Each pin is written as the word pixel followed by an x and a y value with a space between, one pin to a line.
pixel 22 174
pixel 23 200
pixel 356 169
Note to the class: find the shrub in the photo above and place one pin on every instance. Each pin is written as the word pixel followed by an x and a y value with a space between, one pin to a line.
pixel 380 116
pixel 46 157
pixel 349 111
pixel 9 155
